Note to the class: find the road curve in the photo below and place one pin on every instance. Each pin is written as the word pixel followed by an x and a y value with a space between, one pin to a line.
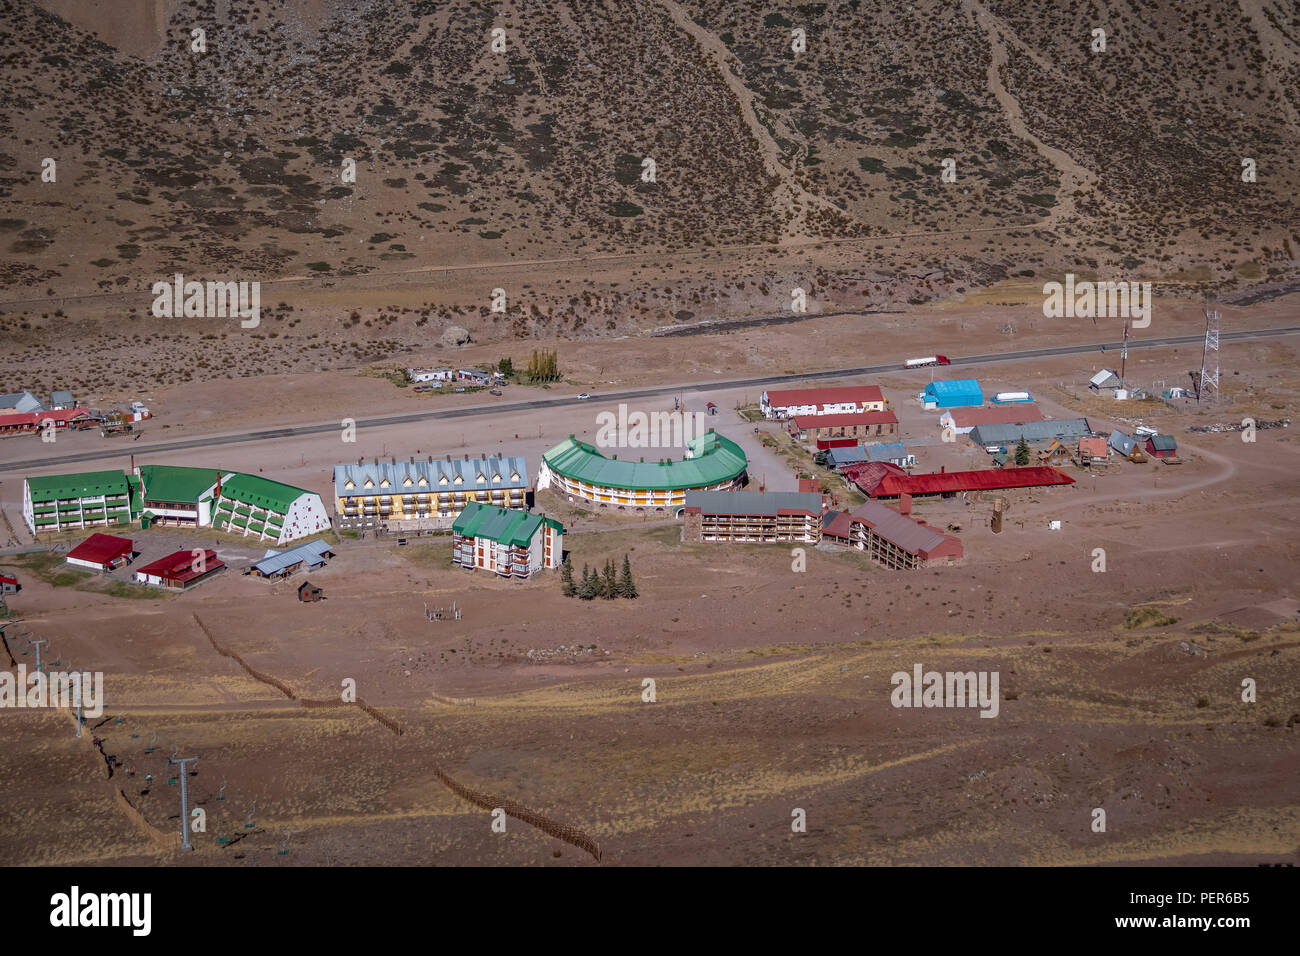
pixel 470 411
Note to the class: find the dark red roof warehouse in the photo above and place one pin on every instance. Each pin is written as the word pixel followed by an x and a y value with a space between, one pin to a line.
pixel 952 482
pixel 178 570
pixel 102 549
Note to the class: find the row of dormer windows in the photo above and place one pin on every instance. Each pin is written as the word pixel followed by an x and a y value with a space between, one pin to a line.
pixel 385 483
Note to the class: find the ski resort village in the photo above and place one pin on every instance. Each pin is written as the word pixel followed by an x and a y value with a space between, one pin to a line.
pixel 652 433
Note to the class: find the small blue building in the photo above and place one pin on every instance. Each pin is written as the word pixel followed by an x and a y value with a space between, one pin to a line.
pixel 958 393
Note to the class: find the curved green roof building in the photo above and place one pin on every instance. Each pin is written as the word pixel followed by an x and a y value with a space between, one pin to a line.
pixel 579 470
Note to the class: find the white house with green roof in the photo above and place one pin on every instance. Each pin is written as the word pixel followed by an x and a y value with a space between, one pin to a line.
pixel 82 500
pixel 176 495
pixel 508 542
pixel 267 510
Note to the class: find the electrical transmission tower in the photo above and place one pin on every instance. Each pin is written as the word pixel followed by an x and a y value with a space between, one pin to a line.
pixel 185 801
pixel 1209 379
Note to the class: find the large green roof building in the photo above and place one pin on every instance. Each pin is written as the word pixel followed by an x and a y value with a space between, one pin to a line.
pixel 578 470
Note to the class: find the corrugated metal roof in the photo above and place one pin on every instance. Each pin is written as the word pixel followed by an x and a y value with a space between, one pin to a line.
pixel 86 484
pixel 1045 430
pixel 955 481
pixel 769 503
pixel 846 418
pixel 512 468
pixel 101 548
pixel 911 536
pixel 713 460
pixel 955 387
pixel 861 394
pixel 1164 443
pixel 177 483
pixel 886 451
pixel 179 565
pixel 261 492
pixel 1122 443
pixel 996 415
pixel 312 552
pixel 838 457
pixel 21 402
pixel 504 525
pixel 869 474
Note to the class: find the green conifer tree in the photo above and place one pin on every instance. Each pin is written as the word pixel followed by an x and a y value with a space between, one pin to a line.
pixel 566 578
pixel 626 586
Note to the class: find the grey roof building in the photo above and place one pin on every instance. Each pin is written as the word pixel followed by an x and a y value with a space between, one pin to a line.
pixel 1121 443
pixel 756 503
pixel 406 477
pixel 1058 429
pixel 311 553
pixel 20 402
pixel 62 399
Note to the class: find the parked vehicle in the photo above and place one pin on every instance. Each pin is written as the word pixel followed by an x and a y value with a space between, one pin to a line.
pixel 926 360
pixel 584 396
pixel 494 391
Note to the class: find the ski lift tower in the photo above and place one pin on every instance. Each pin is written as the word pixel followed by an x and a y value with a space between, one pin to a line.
pixel 1209 379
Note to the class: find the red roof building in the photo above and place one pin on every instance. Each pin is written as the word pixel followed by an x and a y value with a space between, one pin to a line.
pixel 892 539
pixel 8 585
pixel 964 419
pixel 103 552
pixel 29 422
pixel 181 569
pixel 787 403
pixel 954 482
pixel 855 425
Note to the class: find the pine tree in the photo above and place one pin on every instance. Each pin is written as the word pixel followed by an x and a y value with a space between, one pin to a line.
pixel 626 586
pixel 584 590
pixel 592 588
pixel 566 578
pixel 1022 452
pixel 609 582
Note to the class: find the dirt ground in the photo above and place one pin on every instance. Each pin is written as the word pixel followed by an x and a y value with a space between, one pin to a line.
pixel 1120 690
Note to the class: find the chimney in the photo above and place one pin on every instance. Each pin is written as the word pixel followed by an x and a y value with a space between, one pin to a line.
pixel 904 504
pixel 449 457
pixel 430 460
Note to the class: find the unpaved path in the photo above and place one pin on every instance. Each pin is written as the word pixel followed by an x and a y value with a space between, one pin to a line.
pixel 790 197
pixel 1073 175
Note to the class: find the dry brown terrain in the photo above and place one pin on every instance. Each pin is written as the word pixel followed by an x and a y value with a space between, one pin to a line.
pixel 521 171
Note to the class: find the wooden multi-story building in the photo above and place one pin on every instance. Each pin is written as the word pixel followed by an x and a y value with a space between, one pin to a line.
pixel 752 517
pixel 895 540
pixel 512 544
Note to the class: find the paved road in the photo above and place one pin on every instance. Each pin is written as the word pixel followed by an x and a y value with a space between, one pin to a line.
pixel 470 411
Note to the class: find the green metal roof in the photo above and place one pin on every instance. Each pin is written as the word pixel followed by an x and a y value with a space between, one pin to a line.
pixel 504 525
pixel 261 492
pixel 86 484
pixel 712 459
pixel 175 483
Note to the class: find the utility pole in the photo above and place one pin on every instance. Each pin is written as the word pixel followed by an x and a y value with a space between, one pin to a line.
pixel 37 645
pixel 185 801
pixel 1123 357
